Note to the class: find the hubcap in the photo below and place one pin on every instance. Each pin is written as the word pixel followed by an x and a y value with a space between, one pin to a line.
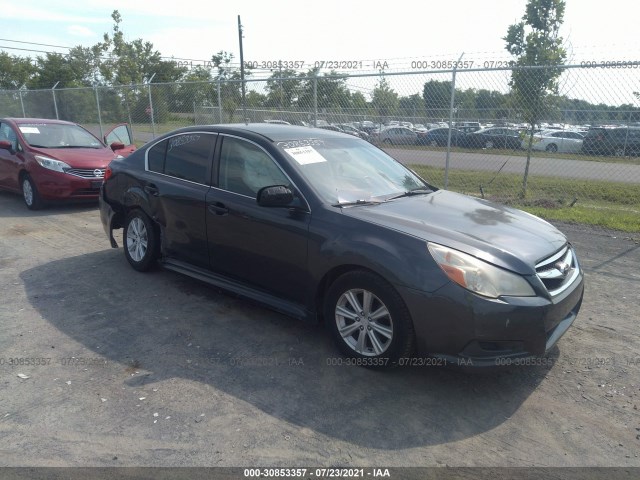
pixel 364 322
pixel 27 191
pixel 137 239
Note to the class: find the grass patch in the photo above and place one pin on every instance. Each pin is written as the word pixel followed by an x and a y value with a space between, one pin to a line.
pixel 594 202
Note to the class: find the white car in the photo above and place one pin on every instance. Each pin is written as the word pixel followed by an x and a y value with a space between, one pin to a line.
pixel 398 136
pixel 562 141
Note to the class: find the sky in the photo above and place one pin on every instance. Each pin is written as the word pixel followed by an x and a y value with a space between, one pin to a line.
pixel 399 32
pixel 356 31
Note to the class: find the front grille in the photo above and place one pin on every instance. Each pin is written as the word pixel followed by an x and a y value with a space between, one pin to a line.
pixel 558 271
pixel 86 172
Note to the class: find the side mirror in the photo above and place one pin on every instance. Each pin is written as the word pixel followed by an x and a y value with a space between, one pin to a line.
pixel 117 146
pixel 6 145
pixel 275 196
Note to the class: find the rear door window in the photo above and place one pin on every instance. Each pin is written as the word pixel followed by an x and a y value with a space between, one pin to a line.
pixel 186 156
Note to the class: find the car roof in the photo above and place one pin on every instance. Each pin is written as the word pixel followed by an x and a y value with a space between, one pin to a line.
pixel 273 131
pixel 20 121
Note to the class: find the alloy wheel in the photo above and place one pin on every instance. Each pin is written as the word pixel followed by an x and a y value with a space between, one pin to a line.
pixel 364 322
pixel 137 239
pixel 27 191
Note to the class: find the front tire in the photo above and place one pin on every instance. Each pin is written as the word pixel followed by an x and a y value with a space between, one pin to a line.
pixel 368 319
pixel 30 194
pixel 553 148
pixel 141 244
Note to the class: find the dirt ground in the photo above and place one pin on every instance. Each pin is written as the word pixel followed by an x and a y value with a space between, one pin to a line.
pixel 131 369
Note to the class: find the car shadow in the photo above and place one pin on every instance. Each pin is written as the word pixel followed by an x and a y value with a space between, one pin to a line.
pixel 164 325
pixel 13 206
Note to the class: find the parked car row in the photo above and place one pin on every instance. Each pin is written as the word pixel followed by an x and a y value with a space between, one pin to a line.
pixel 618 141
pixel 495 137
pixel 615 141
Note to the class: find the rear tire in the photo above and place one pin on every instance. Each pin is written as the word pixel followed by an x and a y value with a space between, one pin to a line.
pixel 368 320
pixel 30 193
pixel 140 239
pixel 488 144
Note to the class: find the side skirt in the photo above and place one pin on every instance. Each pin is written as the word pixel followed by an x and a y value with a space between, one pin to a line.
pixel 286 307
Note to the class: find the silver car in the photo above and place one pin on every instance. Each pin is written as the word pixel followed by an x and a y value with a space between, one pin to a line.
pixel 398 136
pixel 562 141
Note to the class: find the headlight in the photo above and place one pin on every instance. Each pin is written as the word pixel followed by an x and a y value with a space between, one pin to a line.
pixel 51 163
pixel 478 276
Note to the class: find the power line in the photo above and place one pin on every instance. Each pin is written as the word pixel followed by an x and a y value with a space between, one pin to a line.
pixel 33 43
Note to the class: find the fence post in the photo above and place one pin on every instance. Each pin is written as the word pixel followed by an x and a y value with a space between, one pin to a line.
pixel 55 103
pixel 626 135
pixel 451 107
pixel 219 100
pixel 315 99
pixel 95 88
pixel 21 102
pixel 153 123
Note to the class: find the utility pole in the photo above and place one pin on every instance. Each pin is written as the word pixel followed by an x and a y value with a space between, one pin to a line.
pixel 244 103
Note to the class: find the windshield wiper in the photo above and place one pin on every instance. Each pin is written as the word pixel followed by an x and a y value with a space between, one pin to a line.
pixel 409 193
pixel 356 202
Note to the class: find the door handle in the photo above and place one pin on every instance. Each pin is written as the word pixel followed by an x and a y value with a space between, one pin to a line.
pixel 218 208
pixel 151 189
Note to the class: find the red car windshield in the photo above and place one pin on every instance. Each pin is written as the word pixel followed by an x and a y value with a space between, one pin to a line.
pixel 53 135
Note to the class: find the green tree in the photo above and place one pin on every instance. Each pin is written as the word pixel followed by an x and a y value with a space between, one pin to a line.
pixel 437 98
pixel 535 42
pixel 385 99
pixel 53 68
pixel 256 99
pixel 15 71
pixel 131 63
pixel 73 104
pixel 359 102
pixel 230 82
pixel 412 106
pixel 331 90
pixel 283 88
pixel 196 87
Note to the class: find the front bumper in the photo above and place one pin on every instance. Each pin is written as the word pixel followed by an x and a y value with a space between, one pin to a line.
pixel 465 328
pixel 62 186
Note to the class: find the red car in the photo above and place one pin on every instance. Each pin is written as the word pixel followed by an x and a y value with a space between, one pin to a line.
pixel 48 160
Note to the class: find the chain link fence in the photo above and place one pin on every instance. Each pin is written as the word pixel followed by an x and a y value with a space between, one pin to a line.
pixel 458 128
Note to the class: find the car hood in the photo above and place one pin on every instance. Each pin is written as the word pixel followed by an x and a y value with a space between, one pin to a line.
pixel 79 157
pixel 501 235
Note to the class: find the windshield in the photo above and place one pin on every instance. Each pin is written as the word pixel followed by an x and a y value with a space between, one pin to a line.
pixel 350 170
pixel 52 135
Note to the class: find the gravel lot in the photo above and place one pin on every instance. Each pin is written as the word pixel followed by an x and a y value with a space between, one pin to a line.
pixel 130 369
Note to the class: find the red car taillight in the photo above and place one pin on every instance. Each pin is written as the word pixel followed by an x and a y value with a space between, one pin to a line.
pixel 107 174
